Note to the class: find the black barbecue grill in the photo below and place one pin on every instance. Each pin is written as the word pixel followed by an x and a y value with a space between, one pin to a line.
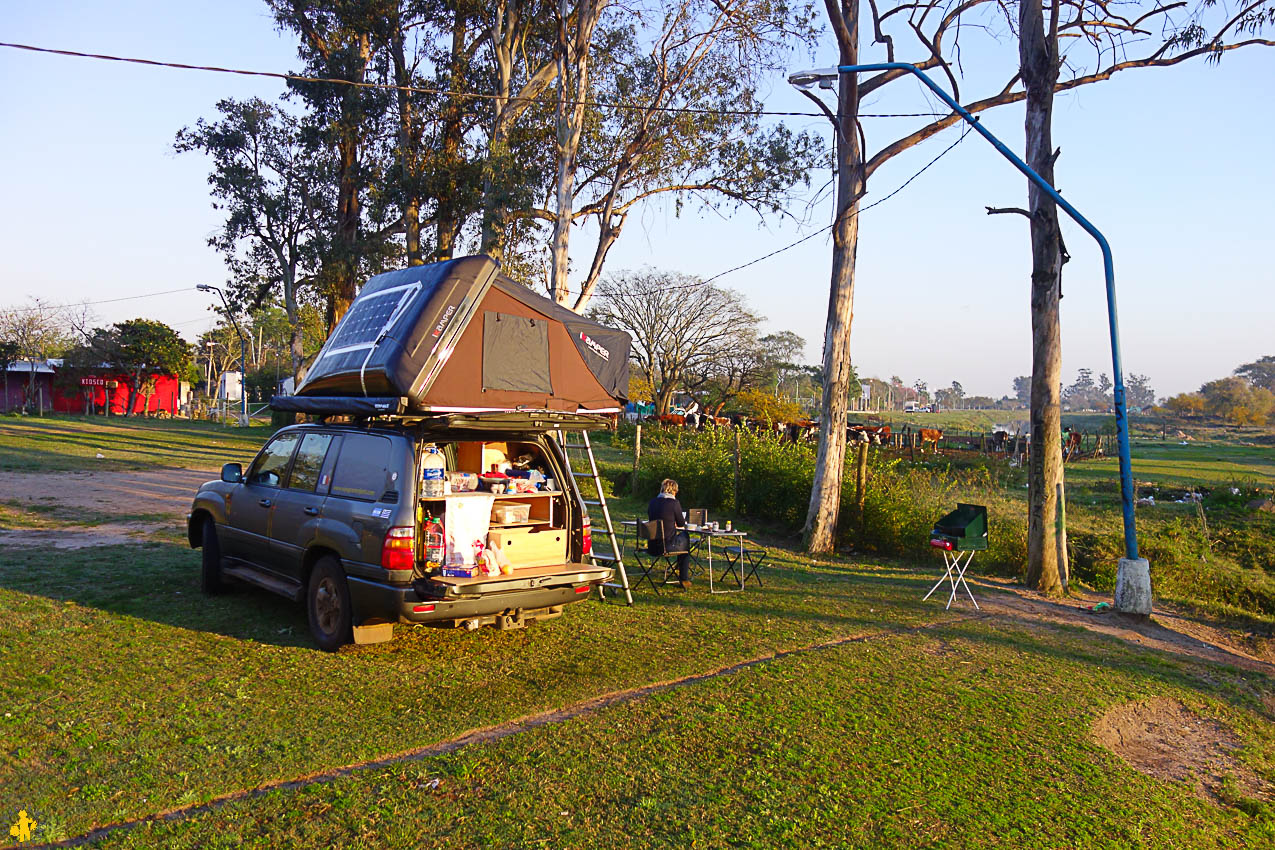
pixel 964 530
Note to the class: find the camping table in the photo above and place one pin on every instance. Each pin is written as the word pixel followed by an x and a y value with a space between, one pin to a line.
pixel 707 535
pixel 733 566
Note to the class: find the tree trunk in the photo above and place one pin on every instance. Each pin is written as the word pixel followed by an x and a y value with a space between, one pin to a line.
pixel 573 85
pixel 448 215
pixel 664 397
pixel 820 533
pixel 349 201
pixel 408 147
pixel 1039 67
pixel 296 340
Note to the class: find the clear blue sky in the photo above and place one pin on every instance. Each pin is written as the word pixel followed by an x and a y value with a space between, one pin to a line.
pixel 1173 165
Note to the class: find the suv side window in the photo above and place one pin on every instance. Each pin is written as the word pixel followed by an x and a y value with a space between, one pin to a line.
pixel 305 469
pixel 272 464
pixel 362 470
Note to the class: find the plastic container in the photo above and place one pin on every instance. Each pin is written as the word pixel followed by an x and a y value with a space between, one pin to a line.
pixel 435 543
pixel 510 513
pixel 463 482
pixel 433 473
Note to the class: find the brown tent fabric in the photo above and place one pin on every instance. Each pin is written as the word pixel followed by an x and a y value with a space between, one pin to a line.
pixel 461 385
pixel 455 335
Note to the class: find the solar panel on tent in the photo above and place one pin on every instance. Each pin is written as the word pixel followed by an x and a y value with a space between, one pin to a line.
pixel 369 318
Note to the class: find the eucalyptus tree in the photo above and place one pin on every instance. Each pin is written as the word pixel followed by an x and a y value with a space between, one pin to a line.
pixel 276 189
pixel 337 42
pixel 929 34
pixel 676 115
pixel 1081 41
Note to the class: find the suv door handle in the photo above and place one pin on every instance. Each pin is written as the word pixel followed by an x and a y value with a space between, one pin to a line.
pixel 311 511
pixel 265 503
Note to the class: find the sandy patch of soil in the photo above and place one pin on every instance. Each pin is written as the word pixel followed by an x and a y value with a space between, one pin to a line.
pixel 1163 738
pixel 150 492
pixel 1167 630
pixel 82 536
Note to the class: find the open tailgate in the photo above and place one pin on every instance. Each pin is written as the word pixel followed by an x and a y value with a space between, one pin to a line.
pixel 530 578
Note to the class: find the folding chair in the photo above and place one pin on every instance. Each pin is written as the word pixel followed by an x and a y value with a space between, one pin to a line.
pixel 646 531
pixel 743 562
pixel 756 559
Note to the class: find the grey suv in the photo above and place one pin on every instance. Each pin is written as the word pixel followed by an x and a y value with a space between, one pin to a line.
pixel 332 515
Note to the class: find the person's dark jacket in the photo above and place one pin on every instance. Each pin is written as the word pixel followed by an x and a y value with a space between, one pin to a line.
pixel 672 519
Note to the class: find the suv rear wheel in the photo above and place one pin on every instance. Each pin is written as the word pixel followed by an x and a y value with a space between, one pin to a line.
pixel 328 605
pixel 210 579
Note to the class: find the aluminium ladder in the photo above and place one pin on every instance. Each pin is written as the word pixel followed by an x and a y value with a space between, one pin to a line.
pixel 614 558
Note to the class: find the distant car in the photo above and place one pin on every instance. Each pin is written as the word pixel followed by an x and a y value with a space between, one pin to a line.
pixel 331 515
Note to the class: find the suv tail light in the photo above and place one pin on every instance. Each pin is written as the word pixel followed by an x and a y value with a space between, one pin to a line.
pixel 588 536
pixel 398 552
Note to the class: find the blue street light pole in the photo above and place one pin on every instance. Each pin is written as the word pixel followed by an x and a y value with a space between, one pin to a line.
pixel 1122 418
pixel 243 345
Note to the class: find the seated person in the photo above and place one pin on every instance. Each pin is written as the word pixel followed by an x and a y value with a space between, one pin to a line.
pixel 668 511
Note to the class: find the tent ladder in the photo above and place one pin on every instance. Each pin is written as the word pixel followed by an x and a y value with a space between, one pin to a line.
pixel 598 499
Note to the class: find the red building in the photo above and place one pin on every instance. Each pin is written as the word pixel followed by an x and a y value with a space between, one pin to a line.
pixel 90 393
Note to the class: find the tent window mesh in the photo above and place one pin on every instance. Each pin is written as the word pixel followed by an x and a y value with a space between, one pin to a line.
pixel 515 353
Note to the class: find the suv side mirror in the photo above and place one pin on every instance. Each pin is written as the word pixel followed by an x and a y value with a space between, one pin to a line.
pixel 232 473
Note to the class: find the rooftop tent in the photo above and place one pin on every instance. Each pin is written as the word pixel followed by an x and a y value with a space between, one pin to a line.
pixel 455 335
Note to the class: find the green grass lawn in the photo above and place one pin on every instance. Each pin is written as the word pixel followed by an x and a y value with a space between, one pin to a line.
pixel 124 692
pixel 973 734
pixel 57 443
pixel 1195 464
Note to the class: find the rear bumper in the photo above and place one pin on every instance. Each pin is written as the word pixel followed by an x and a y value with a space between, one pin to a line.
pixel 404 604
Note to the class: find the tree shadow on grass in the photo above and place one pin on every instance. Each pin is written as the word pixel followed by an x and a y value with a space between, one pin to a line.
pixel 157 582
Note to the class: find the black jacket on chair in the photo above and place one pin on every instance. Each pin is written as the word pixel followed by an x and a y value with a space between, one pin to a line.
pixel 672 519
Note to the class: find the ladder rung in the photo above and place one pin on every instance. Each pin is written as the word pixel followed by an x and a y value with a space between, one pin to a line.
pixel 582 474
pixel 574 446
pixel 593 504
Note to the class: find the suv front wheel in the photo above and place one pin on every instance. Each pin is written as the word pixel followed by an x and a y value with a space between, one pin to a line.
pixel 328 605
pixel 210 578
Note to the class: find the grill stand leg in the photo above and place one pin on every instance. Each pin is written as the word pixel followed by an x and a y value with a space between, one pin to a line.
pixel 955 576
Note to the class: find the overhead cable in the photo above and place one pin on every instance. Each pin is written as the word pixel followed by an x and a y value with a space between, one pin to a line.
pixel 301 78
pixel 857 212
pixel 90 303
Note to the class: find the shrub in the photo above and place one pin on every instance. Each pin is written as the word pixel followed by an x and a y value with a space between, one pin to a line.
pixel 903 501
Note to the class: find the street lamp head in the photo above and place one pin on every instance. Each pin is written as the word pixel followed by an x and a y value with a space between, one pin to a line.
pixel 824 77
pixel 203 287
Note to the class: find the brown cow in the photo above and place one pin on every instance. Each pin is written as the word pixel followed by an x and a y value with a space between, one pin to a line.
pixel 931 435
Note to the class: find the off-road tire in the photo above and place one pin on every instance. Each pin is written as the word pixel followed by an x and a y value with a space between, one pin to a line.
pixel 328 605
pixel 210 577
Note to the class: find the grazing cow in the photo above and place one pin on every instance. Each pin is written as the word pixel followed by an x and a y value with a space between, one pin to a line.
pixel 1000 441
pixel 874 434
pixel 930 435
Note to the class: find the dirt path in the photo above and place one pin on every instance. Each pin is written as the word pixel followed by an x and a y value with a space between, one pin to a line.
pixel 110 501
pixel 1168 630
